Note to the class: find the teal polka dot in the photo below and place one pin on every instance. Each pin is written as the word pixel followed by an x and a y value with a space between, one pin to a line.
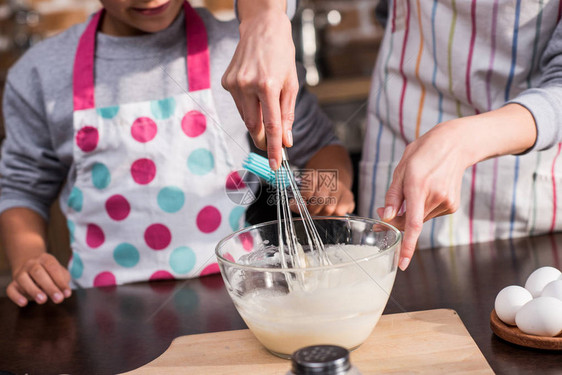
pixel 171 199
pixel 201 161
pixel 108 112
pixel 100 176
pixel 75 199
pixel 235 217
pixel 77 267
pixel 182 260
pixel 186 300
pixel 126 255
pixel 71 228
pixel 162 109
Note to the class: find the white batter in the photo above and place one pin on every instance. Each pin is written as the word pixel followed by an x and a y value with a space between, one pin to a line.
pixel 336 306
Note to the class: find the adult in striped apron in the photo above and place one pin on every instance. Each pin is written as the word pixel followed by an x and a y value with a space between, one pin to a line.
pixel 441 60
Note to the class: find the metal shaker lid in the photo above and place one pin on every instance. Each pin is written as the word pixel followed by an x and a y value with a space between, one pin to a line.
pixel 321 360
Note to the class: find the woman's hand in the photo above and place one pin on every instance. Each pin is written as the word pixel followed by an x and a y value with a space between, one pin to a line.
pixel 262 76
pixel 37 279
pixel 427 181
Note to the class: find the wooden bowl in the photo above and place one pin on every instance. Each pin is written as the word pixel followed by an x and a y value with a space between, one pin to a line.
pixel 515 336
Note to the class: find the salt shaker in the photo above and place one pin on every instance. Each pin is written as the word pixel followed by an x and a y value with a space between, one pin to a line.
pixel 322 360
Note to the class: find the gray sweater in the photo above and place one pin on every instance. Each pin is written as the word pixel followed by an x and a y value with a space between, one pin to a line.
pixel 37 152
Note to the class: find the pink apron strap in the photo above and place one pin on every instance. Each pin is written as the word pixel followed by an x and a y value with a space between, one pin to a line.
pixel 198 65
pixel 83 73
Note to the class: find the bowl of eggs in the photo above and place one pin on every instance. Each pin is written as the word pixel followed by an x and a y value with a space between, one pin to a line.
pixel 531 315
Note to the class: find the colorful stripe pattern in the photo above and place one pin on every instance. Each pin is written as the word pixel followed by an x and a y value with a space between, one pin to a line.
pixel 440 98
pixel 420 82
pixel 469 99
pixel 471 81
pixel 489 108
pixel 529 75
pixel 507 91
pixel 404 77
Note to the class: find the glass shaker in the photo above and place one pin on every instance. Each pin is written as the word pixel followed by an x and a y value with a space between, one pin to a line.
pixel 322 360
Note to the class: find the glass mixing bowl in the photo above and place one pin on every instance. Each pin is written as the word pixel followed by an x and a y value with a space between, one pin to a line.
pixel 290 308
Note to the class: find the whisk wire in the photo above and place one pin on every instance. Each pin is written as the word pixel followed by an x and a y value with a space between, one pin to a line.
pixel 285 179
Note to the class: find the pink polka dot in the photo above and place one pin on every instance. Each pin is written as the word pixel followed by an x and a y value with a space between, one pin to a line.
pixel 208 219
pixel 117 207
pixel 143 129
pixel 143 171
pixel 157 236
pixel 247 241
pixel 234 181
pixel 194 124
pixel 229 257
pixel 94 236
pixel 210 269
pixel 161 275
pixel 87 138
pixel 104 279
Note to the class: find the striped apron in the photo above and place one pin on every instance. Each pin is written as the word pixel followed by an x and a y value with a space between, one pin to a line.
pixel 441 60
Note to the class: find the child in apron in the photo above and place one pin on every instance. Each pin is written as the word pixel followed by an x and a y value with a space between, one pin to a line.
pixel 144 196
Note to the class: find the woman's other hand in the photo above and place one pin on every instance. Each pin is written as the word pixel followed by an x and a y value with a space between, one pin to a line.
pixel 427 181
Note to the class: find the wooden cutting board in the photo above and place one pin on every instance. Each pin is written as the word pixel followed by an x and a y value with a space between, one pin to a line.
pixel 431 342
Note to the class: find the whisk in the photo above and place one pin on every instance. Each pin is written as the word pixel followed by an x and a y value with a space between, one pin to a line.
pixel 283 179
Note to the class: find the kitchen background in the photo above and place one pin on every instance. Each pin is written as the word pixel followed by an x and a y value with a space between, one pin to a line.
pixel 337 41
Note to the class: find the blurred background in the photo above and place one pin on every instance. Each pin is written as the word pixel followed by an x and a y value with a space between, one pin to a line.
pixel 336 40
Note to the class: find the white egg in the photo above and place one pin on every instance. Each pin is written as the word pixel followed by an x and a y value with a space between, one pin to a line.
pixel 539 278
pixel 553 289
pixel 541 316
pixel 509 300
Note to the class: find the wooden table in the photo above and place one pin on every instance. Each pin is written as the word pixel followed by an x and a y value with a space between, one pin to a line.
pixel 112 330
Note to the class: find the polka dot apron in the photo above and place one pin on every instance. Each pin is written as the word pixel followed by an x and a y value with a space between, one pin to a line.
pixel 149 200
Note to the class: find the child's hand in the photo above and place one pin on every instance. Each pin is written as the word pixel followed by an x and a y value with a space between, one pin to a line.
pixel 326 183
pixel 38 278
pixel 325 195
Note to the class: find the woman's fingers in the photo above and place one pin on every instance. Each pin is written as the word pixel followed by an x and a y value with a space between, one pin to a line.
pixel 394 197
pixel 271 111
pixel 253 120
pixel 288 100
pixel 414 217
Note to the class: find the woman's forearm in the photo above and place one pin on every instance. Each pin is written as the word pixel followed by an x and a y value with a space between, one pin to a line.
pixel 508 130
pixel 251 8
